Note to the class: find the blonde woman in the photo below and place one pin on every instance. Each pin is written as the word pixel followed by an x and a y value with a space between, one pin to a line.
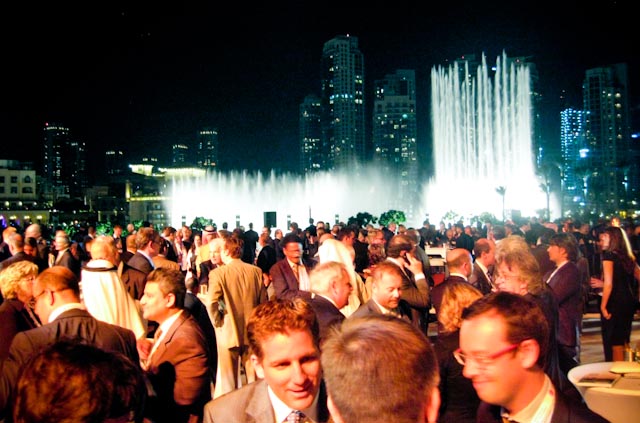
pixel 16 314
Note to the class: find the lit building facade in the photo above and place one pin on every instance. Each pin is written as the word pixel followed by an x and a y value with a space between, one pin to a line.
pixel 64 164
pixel 395 149
pixel 574 162
pixel 312 156
pixel 343 102
pixel 607 136
pixel 207 148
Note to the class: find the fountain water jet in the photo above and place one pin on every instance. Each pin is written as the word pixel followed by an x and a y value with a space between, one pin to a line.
pixel 482 140
pixel 323 195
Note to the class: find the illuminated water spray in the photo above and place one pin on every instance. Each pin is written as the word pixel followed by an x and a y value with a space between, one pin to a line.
pixel 482 140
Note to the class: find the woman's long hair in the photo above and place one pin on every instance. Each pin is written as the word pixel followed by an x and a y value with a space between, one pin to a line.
pixel 619 245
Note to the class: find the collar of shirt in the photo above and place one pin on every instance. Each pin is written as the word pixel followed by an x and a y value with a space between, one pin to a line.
pixel 328 299
pixel 58 311
pixel 382 308
pixel 540 409
pixel 291 264
pixel 558 267
pixel 148 258
pixel 282 410
pixel 166 325
pixel 481 266
pixel 460 275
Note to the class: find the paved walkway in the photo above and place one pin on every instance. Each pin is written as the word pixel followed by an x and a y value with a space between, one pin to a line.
pixel 591 339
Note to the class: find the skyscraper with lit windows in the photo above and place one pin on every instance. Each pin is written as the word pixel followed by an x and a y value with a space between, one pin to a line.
pixel 343 102
pixel 64 164
pixel 574 163
pixel 311 152
pixel 395 150
pixel 607 136
pixel 207 148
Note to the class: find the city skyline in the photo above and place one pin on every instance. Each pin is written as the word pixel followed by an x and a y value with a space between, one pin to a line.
pixel 131 79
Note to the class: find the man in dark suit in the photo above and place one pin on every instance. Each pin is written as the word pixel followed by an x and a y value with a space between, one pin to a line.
pixel 178 362
pixel 504 341
pixel 135 271
pixel 565 284
pixel 462 240
pixel 16 248
pixel 57 304
pixel 485 259
pixel 35 231
pixel 386 288
pixel 331 284
pixel 460 265
pixel 285 282
pixel 284 339
pixel 4 245
pixel 415 288
pixel 64 256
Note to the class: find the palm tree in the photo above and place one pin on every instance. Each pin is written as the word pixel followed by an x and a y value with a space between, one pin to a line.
pixel 501 190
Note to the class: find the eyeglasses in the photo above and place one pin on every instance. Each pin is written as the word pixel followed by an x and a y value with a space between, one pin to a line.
pixel 482 360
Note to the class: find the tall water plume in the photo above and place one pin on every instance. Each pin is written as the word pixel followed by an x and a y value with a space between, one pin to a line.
pixel 482 135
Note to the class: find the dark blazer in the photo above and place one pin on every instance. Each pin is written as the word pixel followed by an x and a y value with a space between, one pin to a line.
pixel 251 404
pixel 327 313
pixel 565 411
pixel 134 275
pixel 179 371
pixel 370 308
pixel 285 283
pixel 75 324
pixel 14 318
pixel 416 294
pixel 479 280
pixel 199 312
pixel 266 258
pixel 70 262
pixel 567 290
pixel 19 256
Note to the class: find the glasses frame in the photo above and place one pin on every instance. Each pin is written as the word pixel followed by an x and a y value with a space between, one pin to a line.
pixel 482 361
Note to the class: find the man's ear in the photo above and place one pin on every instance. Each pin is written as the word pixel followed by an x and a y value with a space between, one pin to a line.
pixel 432 405
pixel 335 414
pixel 529 351
pixel 257 366
pixel 171 300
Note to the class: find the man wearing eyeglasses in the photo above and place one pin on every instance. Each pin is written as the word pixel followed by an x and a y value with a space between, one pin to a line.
pixel 503 347
pixel 57 303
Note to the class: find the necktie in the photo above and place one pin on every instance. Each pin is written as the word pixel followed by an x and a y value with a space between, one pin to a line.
pixel 295 417
pixel 296 271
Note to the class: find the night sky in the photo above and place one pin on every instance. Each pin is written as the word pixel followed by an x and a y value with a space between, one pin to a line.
pixel 142 78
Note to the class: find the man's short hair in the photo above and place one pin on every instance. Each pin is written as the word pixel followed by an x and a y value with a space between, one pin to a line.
pixel 399 243
pixel 58 278
pixel 280 316
pixel 74 382
pixel 234 246
pixel 323 274
pixel 130 241
pixel 146 235
pixel 291 238
pixel 383 268
pixel 567 242
pixel 371 353
pixel 524 319
pixel 482 245
pixel 170 281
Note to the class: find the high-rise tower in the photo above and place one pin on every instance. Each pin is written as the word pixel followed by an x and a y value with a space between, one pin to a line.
pixel 64 165
pixel 207 147
pixel 343 101
pixel 311 153
pixel 395 150
pixel 607 134
pixel 572 149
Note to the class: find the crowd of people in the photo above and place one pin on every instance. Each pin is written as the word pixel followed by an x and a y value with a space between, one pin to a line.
pixel 327 323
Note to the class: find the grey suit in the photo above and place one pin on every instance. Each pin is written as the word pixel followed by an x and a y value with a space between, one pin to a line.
pixel 72 324
pixel 251 404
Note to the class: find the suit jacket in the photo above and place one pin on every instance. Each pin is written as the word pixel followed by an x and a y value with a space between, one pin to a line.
pixel 134 275
pixel 479 280
pixel 235 289
pixel 285 283
pixel 251 404
pixel 416 294
pixel 14 318
pixel 567 290
pixel 370 308
pixel 327 313
pixel 266 258
pixel 179 371
pixel 199 312
pixel 70 262
pixel 564 411
pixel 160 261
pixel 19 256
pixel 74 323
